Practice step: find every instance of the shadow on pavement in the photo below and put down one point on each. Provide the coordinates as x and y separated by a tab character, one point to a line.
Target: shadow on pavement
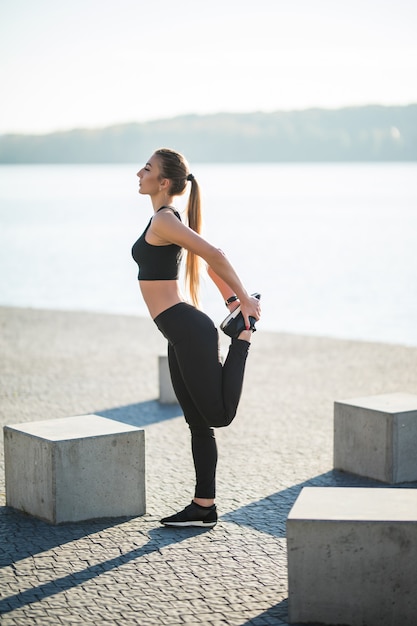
142	413
276	615
157	539
269	515
22	536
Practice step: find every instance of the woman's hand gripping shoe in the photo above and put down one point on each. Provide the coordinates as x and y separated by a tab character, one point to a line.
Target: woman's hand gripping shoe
234	323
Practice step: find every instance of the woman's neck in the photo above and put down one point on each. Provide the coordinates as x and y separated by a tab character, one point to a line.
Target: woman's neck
161	199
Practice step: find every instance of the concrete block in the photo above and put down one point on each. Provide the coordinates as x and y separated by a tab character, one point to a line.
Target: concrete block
75	468
376	437
166	391
352	555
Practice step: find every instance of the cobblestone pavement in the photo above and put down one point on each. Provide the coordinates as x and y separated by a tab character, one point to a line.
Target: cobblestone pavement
132	570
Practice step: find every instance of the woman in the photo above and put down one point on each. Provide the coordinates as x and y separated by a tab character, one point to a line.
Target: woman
208	392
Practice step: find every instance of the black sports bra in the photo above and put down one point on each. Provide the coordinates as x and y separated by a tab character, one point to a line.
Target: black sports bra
157	262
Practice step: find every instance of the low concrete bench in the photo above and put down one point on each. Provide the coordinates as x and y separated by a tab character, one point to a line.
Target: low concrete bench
166	390
352	556
376	436
75	468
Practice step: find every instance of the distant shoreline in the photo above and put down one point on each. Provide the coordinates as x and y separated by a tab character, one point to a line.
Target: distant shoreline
352	134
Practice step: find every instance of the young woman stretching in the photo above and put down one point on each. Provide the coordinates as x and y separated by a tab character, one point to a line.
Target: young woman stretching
207	391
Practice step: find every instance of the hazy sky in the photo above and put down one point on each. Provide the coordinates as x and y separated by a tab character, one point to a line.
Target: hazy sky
90	63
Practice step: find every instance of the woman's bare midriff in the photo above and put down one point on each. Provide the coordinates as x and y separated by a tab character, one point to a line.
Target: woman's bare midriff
160	295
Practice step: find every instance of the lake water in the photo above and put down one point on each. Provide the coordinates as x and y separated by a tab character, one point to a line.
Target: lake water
331	247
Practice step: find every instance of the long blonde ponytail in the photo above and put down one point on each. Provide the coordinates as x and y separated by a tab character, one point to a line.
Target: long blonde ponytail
192	266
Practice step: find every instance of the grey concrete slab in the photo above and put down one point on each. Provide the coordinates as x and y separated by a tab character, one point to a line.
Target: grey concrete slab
376	436
352	556
75	468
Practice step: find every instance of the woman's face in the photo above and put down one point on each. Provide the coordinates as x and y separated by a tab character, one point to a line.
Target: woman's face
150	177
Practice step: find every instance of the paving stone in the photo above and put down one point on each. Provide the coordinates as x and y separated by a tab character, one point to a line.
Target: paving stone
131	570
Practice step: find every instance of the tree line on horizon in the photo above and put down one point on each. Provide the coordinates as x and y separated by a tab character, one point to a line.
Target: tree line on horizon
368	133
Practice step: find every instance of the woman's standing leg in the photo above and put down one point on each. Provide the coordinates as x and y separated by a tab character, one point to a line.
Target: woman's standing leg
202	510
203	441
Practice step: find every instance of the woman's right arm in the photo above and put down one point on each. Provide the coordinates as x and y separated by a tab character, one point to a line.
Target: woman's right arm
225	278
170	229
221	285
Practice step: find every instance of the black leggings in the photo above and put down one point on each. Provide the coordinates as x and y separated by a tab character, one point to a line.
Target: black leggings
207	391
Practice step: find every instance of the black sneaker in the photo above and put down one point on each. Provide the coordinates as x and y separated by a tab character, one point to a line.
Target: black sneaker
193	515
234	322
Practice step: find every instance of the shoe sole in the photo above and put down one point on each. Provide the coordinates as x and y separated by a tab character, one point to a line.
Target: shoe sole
230	317
197	524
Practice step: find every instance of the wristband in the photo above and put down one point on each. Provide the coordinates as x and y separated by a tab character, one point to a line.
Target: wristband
231	299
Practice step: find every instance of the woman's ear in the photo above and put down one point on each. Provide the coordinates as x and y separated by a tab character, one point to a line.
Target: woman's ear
164	184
